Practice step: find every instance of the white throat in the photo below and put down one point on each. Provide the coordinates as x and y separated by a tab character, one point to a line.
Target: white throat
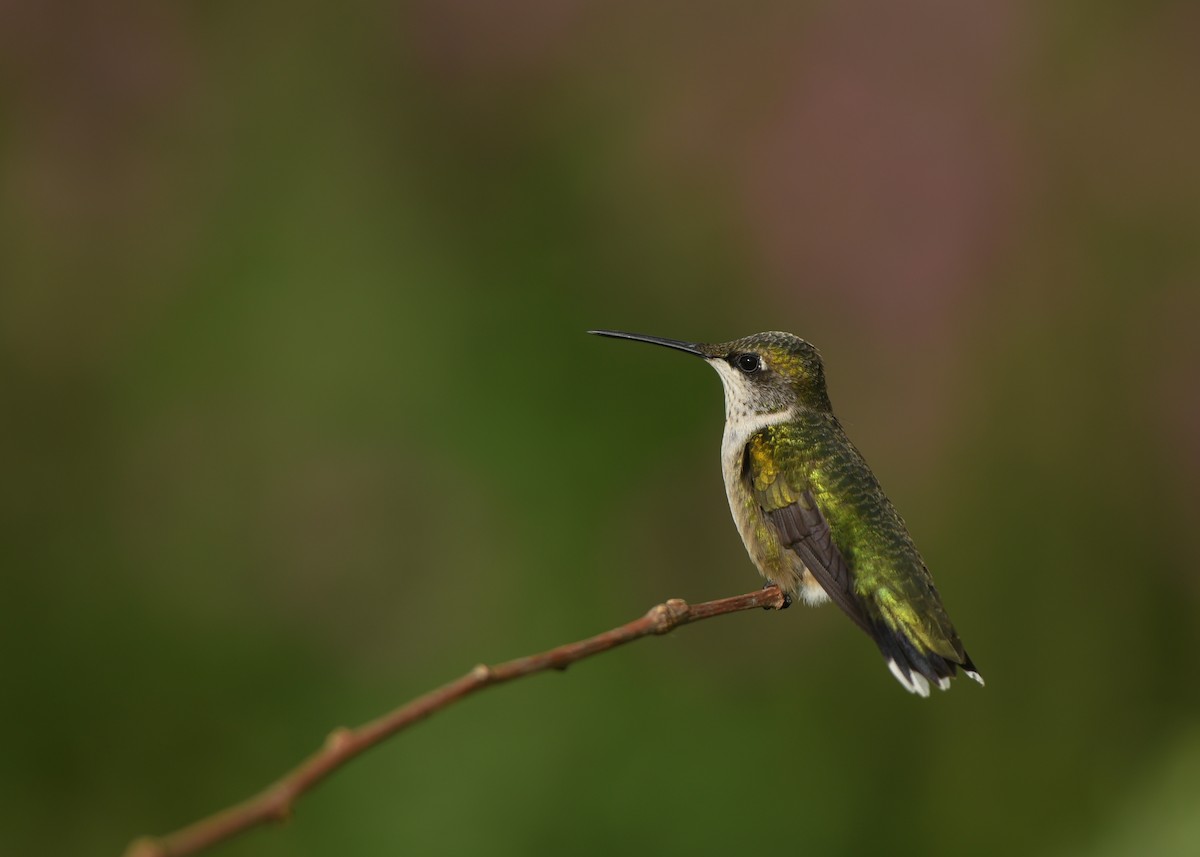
741	422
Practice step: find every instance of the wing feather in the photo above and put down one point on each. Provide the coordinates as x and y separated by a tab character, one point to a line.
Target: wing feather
920	648
803	529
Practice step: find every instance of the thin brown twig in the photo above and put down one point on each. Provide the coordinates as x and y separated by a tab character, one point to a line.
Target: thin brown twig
275	802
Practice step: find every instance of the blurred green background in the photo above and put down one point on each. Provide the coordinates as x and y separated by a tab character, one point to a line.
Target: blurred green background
299	419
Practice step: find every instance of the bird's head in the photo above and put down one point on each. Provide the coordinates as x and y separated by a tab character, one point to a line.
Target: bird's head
766	373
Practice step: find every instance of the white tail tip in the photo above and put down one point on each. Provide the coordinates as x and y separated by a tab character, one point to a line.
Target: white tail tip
913	682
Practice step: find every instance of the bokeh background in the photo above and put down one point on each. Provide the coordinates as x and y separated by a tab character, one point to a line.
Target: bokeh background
299	419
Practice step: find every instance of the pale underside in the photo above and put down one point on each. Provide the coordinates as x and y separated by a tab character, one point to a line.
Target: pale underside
741	423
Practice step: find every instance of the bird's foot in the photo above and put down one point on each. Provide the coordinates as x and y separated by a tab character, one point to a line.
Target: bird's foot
787	599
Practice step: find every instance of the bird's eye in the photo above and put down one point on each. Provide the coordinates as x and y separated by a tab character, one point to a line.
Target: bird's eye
748	363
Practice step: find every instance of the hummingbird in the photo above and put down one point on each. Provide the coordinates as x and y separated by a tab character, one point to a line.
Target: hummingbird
810	511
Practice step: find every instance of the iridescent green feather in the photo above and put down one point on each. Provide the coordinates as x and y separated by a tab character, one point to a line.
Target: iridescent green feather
888	578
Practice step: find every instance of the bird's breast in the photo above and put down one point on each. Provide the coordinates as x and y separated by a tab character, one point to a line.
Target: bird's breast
762	544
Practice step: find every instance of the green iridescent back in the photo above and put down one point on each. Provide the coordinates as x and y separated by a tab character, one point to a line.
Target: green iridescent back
812	452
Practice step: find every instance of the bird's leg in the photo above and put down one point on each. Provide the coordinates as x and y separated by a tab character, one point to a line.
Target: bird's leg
787	599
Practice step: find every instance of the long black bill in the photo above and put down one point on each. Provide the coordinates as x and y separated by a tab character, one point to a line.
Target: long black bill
689	347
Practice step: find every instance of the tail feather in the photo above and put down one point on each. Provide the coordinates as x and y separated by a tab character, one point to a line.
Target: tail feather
968	667
914	666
